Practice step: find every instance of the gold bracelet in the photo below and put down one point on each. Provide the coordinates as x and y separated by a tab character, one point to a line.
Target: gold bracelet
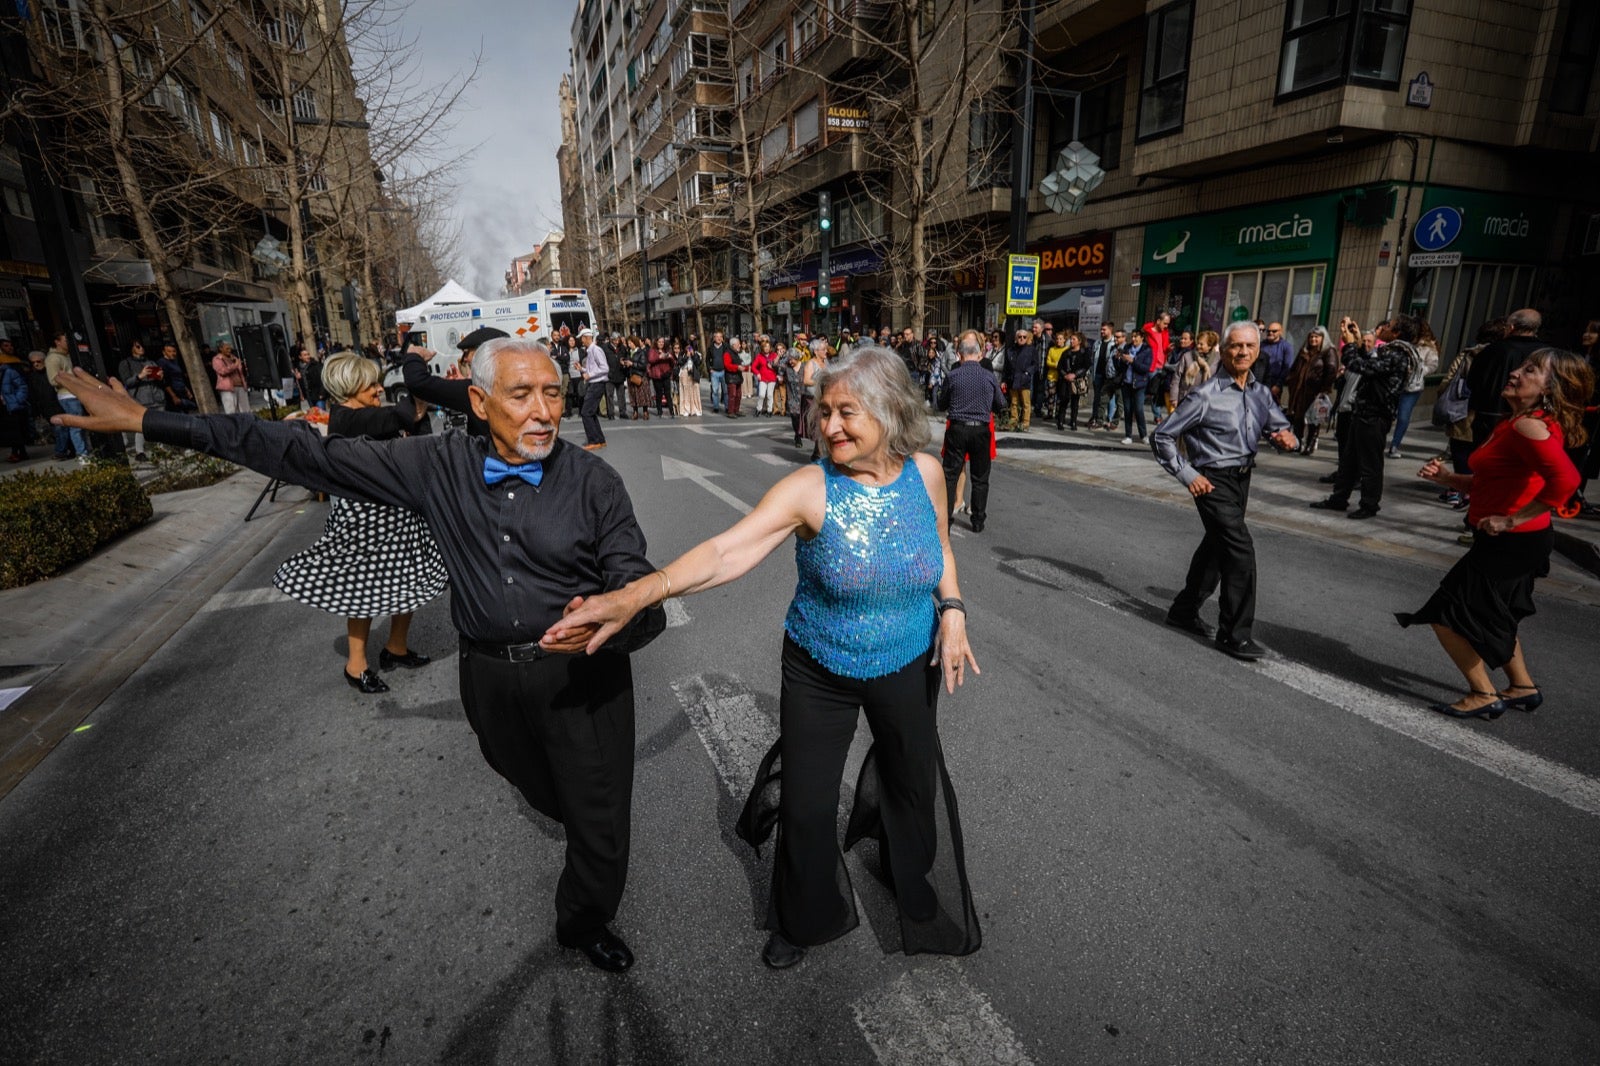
665	596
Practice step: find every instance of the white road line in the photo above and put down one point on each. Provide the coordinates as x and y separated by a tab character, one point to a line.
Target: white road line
676	469
773	460
733	729
677	614
223	601
8	696
934	1015
730	443
1442	734
1576	790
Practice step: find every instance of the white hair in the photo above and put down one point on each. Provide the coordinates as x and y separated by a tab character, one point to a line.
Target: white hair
484	359
1231	327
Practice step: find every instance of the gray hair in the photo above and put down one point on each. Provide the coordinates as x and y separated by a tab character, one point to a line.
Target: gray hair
1233	327
879	379
348	374
970	345
484	359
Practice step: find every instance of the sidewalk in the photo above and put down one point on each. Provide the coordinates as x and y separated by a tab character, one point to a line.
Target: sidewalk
1412	523
72	639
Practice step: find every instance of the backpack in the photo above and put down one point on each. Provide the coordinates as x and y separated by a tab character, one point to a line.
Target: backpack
1451	405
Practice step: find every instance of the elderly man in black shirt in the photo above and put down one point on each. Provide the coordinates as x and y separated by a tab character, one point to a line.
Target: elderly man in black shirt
1221	423
972	397
528	526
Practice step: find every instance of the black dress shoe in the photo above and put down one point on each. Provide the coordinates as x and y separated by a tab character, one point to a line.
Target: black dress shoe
1248	650
1192	625
388	660
1330	504
1363	512
779	954
977	525
1490	711
1328	479
368	682
606	951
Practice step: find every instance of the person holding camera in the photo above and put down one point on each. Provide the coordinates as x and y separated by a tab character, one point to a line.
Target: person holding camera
1382	374
142	377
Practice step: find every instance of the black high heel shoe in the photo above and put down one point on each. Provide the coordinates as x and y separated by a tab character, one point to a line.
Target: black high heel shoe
388	660
369	682
1529	702
1490	711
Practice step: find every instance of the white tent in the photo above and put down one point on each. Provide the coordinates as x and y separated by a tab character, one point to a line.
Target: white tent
449	293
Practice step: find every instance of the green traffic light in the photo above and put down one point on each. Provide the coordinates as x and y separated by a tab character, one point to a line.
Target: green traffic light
826	223
823	300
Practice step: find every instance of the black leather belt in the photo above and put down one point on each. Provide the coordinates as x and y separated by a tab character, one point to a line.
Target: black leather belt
1209	470
964	422
515	653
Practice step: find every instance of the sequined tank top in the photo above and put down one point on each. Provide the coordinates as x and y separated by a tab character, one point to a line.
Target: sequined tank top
864	603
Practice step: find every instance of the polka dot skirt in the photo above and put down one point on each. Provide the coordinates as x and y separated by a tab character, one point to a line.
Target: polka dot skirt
371	560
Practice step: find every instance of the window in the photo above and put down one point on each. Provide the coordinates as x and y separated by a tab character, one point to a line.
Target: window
1569	95
747	78
774	146
774	54
806	124
807	28
1095	122
252	156
702	188
988	143
317	181
273	29
64	24
222	136
291	32
1336	42
199	17
272	105
90	197
1164	86
235	62
305	104
703	56
927	16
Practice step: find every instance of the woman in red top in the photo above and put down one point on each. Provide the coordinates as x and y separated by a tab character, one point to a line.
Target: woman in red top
1518	475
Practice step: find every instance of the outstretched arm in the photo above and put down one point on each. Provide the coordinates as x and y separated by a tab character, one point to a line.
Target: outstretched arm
792	505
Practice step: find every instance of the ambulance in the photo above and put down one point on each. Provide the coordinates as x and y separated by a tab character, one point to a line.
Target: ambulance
538	314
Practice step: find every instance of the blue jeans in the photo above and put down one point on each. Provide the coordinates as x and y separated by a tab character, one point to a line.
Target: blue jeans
1402	417
75	439
719	389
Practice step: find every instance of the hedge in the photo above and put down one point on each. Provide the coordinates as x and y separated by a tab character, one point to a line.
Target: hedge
50	521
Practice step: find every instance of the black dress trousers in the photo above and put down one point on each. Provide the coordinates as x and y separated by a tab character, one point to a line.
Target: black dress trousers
561	730
1227	556
1361	460
966	442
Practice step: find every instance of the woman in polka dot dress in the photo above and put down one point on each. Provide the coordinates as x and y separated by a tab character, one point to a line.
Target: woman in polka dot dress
370	559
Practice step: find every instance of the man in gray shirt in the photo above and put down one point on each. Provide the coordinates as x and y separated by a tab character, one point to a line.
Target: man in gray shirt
1221	423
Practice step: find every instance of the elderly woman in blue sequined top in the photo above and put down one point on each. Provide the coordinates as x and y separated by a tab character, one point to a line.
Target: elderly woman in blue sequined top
876	620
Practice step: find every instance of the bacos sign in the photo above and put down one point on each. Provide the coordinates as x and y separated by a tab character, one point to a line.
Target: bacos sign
1066	260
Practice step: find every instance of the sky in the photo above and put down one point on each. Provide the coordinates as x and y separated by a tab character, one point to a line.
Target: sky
508	125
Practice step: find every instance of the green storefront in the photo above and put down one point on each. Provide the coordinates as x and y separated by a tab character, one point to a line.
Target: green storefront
1270	261
1502	242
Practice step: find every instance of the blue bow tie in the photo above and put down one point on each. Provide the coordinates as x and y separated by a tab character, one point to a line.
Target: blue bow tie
496	470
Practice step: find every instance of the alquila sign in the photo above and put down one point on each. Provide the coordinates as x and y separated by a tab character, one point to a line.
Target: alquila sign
1289	231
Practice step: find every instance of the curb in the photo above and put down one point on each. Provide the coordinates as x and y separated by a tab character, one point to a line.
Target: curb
70	692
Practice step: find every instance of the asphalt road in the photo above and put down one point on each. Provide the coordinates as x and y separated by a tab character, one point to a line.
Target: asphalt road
1176	857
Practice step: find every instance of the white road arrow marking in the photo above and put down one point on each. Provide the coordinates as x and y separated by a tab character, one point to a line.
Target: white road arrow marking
678	470
730	725
223	601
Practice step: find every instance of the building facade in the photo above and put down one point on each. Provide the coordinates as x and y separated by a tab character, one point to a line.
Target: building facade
1262	158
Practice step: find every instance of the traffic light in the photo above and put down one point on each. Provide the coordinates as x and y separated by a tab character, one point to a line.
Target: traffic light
825	246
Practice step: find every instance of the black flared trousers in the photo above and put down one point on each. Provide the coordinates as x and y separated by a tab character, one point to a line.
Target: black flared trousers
904	800
561	730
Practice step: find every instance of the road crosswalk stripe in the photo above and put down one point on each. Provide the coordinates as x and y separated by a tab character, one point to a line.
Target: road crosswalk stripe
734	731
934	1015
773	460
1445	735
677	614
731	443
223	601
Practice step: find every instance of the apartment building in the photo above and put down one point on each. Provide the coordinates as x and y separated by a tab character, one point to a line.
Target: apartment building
1297	161
1278	159
250	128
